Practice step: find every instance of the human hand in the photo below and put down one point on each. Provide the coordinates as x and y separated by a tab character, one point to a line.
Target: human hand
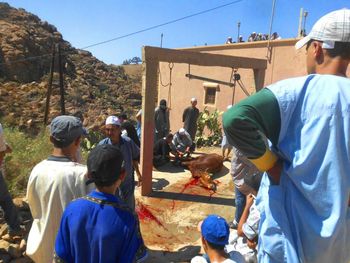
249	200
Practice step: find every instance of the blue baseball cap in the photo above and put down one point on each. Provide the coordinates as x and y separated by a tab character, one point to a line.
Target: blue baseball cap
215	230
65	129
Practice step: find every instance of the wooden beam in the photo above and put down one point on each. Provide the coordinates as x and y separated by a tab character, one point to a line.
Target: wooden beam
151	56
149	95
191	76
202	59
259	78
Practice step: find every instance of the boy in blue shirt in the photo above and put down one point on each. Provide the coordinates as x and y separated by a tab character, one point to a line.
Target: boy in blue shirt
100	227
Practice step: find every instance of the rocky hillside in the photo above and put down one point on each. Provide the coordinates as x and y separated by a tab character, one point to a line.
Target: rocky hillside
26	44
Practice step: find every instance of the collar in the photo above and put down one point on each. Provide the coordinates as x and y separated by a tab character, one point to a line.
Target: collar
59	158
104	196
121	141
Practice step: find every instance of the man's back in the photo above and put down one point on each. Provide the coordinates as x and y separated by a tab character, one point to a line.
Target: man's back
53	183
161	148
314	142
100	228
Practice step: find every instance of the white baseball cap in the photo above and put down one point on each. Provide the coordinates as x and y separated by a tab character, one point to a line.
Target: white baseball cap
182	131
331	28
113	120
193	99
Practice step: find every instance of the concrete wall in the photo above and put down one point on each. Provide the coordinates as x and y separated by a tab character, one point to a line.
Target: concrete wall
284	62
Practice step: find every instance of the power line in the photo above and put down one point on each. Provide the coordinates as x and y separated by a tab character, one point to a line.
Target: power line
130	34
163	24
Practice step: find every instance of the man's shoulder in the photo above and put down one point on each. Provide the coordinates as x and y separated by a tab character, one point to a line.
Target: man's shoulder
117	209
105	141
58	169
290	82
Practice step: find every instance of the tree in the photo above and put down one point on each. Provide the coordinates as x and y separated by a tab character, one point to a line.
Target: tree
136	60
126	62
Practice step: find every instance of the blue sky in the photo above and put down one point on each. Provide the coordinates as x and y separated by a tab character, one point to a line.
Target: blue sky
85	22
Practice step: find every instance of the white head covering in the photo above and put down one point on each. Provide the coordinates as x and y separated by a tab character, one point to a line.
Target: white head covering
113	120
182	131
331	28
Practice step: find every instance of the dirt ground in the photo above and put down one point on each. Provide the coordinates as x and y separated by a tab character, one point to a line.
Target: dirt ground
169	217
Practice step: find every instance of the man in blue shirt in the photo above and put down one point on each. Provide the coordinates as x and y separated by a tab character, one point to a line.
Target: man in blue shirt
131	154
304	196
100	227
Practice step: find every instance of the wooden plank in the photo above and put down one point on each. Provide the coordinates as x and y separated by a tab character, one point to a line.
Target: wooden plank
202	59
149	95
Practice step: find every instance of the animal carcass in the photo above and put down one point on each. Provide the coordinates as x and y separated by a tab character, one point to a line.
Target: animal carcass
201	166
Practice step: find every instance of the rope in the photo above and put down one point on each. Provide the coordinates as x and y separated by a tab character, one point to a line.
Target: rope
171	66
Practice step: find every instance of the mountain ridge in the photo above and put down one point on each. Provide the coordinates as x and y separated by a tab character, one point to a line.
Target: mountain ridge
91	86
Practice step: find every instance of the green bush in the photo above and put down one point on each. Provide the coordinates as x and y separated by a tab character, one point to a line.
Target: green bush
90	142
26	153
209	131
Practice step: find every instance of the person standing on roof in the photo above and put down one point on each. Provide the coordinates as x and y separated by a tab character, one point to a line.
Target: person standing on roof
304	198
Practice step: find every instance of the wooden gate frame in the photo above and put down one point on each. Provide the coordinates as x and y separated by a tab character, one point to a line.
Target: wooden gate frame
151	56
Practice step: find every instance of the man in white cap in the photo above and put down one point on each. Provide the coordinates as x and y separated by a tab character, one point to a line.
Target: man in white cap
304	196
131	154
190	117
182	143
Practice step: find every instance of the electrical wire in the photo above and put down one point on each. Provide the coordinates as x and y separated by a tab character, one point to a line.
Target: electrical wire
130	34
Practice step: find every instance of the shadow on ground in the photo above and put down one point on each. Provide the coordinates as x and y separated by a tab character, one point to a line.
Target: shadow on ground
195	198
159	184
184	254
170	168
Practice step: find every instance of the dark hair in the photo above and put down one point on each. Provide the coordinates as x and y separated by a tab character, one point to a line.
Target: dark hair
170	135
79	115
59	144
106	184
341	49
215	246
123	116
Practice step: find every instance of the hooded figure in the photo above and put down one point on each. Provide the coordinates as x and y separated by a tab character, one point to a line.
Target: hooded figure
161	120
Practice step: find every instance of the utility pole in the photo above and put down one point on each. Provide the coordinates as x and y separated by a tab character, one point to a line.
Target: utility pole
300	22
269	49
305	15
55	48
238	30
49	87
161	40
60	70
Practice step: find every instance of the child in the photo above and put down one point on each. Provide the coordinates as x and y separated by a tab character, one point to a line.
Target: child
100	227
215	236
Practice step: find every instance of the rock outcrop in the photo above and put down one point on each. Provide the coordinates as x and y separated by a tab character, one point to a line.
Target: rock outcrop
91	86
12	247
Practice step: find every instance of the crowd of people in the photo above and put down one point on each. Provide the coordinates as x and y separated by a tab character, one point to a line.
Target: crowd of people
255	37
290	170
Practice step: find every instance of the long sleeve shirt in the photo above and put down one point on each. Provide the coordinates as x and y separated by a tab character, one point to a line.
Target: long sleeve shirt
245	123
